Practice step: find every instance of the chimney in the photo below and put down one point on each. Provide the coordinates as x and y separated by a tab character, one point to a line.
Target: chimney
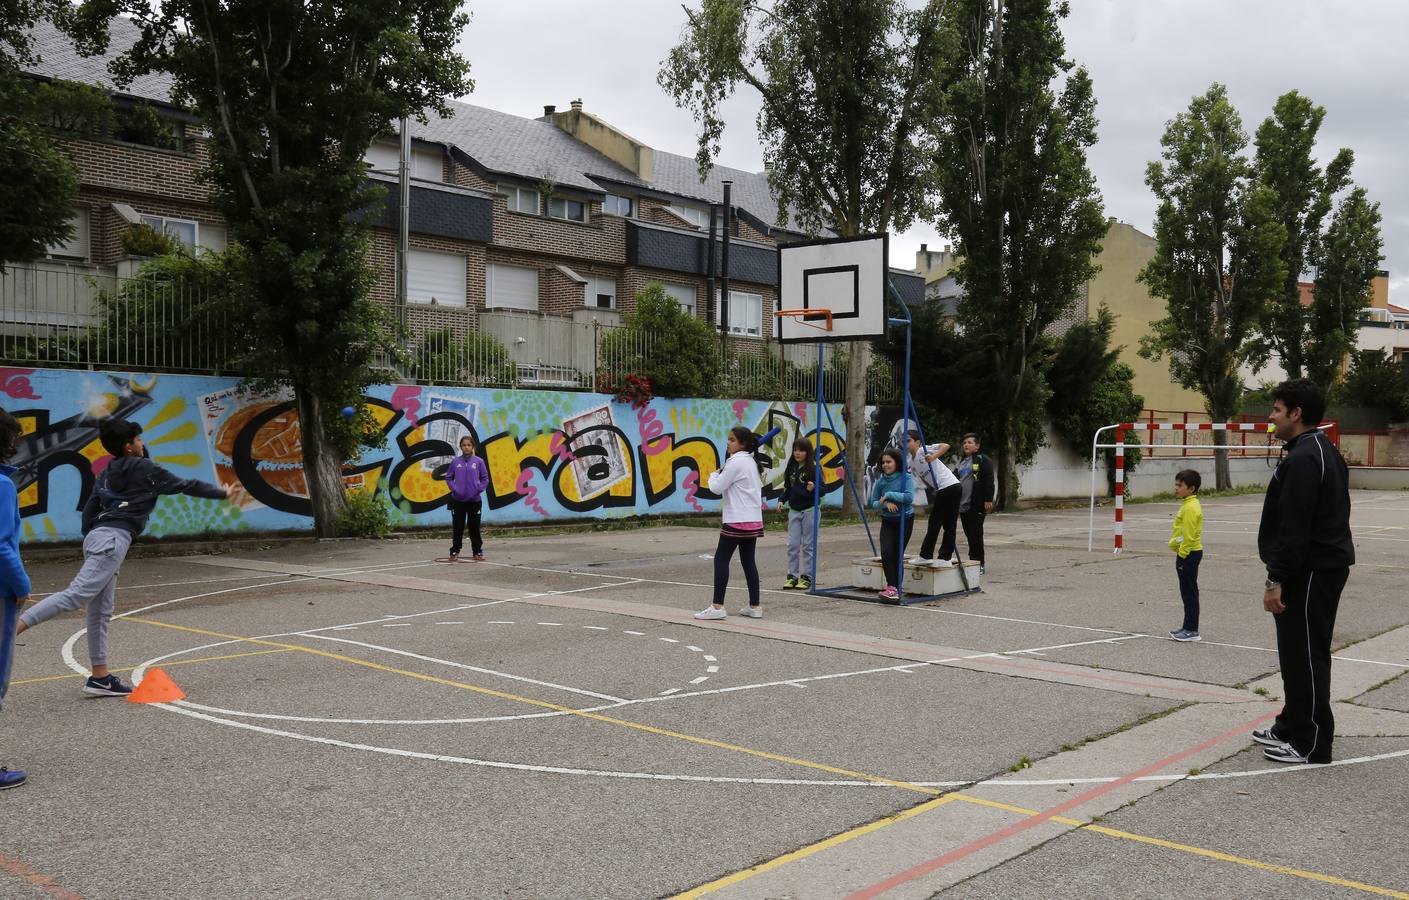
925	249
549	109
577	105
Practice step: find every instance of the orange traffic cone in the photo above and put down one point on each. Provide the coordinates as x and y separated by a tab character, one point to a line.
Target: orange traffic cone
156	687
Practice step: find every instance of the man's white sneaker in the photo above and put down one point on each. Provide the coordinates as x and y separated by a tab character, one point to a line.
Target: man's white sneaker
939	564
711	612
753	612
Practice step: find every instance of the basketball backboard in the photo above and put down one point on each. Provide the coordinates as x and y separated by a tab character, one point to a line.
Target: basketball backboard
844	275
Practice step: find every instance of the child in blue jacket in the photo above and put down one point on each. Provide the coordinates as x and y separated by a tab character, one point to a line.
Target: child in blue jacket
14	582
893	495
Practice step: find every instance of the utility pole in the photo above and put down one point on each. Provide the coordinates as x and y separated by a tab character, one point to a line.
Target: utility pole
403	240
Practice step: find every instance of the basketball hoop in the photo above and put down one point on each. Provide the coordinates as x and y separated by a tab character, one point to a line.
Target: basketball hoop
821	319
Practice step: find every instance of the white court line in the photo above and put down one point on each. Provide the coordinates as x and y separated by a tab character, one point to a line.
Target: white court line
469	668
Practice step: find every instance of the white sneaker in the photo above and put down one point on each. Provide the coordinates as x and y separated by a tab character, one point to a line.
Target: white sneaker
711	612
753	612
939	564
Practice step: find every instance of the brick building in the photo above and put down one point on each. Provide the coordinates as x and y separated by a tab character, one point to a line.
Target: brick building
512	220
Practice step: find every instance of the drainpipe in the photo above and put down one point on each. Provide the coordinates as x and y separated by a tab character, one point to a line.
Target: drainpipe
403	220
724	271
711	307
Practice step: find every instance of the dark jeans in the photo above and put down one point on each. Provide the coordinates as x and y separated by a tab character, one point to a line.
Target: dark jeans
892	549
1187	568
725	552
460	512
973	531
943	511
1304	653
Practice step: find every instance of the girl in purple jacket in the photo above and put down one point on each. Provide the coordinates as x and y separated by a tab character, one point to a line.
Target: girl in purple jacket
468	477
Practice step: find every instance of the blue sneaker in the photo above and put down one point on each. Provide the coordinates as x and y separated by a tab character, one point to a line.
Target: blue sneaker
107	686
10	778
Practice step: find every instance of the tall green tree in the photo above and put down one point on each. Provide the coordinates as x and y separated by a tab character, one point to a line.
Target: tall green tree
1312	340
1218	258
40	185
850	91
1019	198
1091	387
293	93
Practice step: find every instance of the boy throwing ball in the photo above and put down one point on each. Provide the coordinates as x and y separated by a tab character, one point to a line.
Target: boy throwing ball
1188	547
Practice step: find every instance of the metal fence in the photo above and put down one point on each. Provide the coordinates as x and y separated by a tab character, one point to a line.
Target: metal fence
69	316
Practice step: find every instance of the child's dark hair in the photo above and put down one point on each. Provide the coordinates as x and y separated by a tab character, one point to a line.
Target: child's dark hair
913	435
746	438
10	432
116	434
895	457
805	446
971	434
1190	478
1303	394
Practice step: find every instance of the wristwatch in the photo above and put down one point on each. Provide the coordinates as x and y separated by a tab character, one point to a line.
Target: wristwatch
1270	585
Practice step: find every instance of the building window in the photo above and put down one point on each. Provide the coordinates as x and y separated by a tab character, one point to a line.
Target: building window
521	199
426	165
143	125
613	205
563	208
437	278
511	287
183	230
692	214
600	293
684	294
745	314
76	247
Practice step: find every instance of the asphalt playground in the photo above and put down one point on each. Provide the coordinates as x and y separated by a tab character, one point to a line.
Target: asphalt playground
362	721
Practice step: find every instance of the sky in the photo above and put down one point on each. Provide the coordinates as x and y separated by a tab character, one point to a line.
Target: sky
1147	59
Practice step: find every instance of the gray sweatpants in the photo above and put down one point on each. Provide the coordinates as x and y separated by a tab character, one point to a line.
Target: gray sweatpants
801	528
94	587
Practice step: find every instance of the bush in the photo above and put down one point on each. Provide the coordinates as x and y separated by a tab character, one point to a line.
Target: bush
1091	387
365	516
175	314
475	358
144	240
670	347
1375	380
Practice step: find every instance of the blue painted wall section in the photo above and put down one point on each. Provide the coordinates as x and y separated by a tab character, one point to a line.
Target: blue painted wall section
551	454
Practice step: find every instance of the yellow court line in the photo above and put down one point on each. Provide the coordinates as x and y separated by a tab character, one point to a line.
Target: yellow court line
940	796
174	662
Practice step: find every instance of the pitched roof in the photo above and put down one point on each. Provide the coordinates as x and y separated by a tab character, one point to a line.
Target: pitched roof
60	61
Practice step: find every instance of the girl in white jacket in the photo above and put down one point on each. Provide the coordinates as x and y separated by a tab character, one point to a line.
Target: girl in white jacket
741	488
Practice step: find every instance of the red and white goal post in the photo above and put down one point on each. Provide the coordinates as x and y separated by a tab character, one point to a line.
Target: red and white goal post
1119	445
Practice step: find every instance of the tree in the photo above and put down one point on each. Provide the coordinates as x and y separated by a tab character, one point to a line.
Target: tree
1314	339
1019	198
40	185
1091	387
670	347
293	93
849	92
1377	381
1217	259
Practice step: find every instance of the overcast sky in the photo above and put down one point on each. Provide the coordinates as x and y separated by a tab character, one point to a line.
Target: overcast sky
1146	57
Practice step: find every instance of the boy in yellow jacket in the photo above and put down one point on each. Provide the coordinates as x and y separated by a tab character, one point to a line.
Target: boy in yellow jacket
1188	547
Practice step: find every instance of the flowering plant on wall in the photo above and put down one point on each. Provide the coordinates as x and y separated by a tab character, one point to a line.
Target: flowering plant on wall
633	388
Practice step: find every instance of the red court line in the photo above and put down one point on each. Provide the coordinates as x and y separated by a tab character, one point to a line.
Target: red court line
38	880
1002	834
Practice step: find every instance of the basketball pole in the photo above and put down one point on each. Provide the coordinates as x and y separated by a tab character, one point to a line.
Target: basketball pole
906	411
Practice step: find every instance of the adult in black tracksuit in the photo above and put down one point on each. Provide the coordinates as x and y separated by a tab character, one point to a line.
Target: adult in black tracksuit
1304	540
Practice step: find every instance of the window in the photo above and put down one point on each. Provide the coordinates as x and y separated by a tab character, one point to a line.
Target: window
512	287
141	124
692	214
437	278
563	208
613	205
745	313
600	293
75	247
521	199
684	294
183	230
426	165
213	238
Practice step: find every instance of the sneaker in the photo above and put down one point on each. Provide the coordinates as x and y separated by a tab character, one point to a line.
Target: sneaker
710	613
939	564
753	612
1286	753
1268	738
981	569
804	583
791	583
1185	637
479	557
10	778
109	686
453	557
890	593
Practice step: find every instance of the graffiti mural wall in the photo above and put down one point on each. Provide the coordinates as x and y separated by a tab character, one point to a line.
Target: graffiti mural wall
551	454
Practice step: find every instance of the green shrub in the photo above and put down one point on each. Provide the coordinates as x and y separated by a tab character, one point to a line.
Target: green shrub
672	348
144	240
475	358
365	516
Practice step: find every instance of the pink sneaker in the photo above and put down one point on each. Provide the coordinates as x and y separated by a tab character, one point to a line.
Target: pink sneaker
890	593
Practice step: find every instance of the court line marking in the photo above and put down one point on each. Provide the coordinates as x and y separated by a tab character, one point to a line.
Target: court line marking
44	884
178	662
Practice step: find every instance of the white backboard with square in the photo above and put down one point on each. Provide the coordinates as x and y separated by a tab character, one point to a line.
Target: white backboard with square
844	275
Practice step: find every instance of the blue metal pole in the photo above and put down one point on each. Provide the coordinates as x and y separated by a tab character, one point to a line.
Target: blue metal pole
906	411
817	469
